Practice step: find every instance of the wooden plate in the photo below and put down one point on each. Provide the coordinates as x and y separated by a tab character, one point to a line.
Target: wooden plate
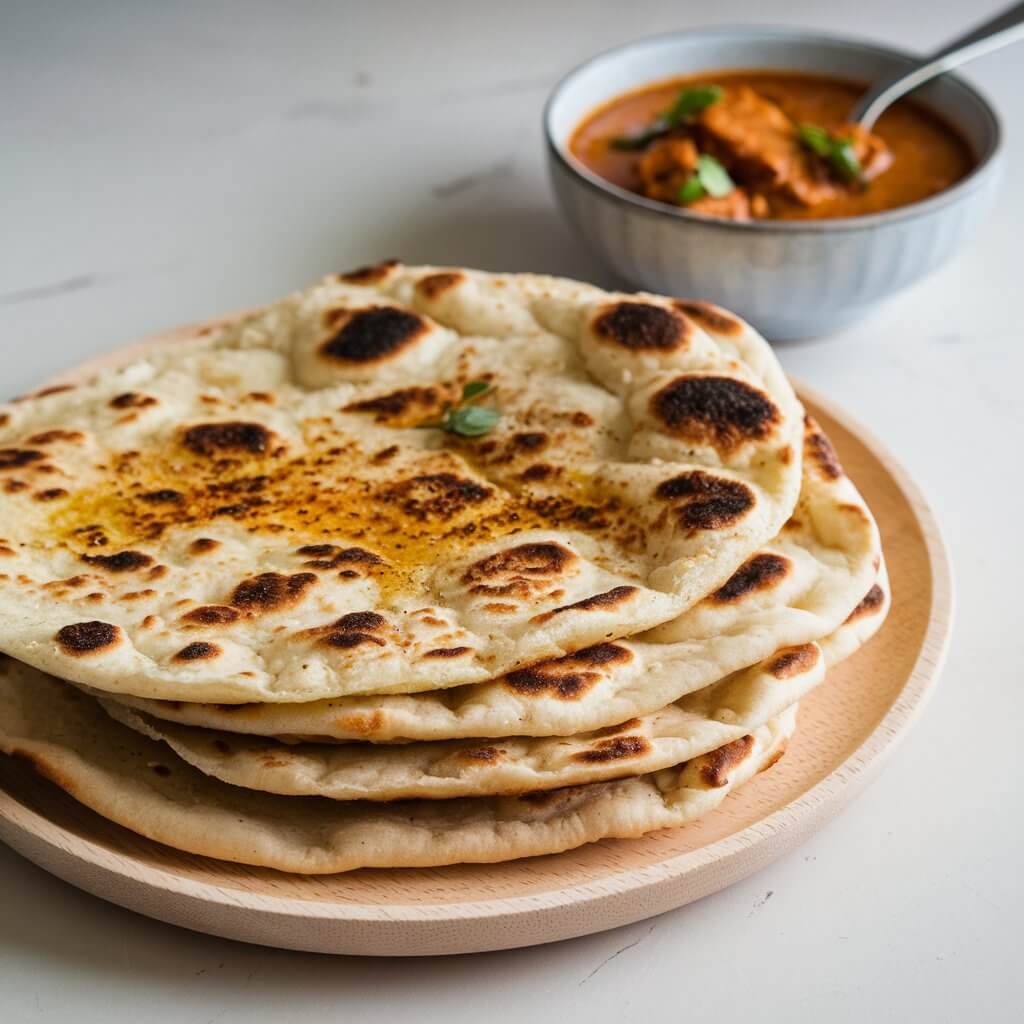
847	727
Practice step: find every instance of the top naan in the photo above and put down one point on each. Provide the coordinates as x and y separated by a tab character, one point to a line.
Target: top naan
256	514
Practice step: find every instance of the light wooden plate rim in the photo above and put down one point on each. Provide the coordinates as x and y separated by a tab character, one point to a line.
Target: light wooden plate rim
757	844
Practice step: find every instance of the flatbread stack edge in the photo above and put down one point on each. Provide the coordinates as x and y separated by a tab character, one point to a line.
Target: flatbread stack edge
423	566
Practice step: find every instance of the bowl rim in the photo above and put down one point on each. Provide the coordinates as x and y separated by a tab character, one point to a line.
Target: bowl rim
641	204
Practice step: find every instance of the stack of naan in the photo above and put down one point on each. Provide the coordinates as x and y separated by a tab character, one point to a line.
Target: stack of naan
420	566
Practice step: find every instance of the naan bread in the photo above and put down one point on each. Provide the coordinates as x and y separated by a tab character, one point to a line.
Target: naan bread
694	725
794	591
255	515
140	784
698	723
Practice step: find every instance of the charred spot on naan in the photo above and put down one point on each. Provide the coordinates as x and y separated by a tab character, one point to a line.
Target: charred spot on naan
212	615
371	335
572	676
121	562
132	400
435	497
792	661
405	407
53	389
642	327
271	592
164	496
713	319
609	600
230	438
448	652
56	437
870	604
356	629
819	453
716	766
361	723
353	562
372	274
617	748
200	650
704	501
775	757
723	412
760	572
434	286
481	755
521	571
18	458
81	639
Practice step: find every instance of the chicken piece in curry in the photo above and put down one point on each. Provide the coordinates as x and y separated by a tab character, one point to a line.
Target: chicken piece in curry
754	145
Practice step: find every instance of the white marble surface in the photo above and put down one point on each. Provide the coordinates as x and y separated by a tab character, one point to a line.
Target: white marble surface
164	162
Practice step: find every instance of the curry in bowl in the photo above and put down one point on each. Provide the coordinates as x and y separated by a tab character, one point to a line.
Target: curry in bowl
768	145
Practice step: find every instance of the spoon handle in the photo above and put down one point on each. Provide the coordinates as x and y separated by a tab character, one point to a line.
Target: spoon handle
1003	29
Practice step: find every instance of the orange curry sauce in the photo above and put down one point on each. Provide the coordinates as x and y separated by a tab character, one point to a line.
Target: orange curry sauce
928	154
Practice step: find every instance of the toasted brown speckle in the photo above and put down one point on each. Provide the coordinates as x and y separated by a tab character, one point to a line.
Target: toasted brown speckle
271	591
448	652
56	437
870	604
232	437
373	335
642	327
759	572
794	660
162	497
385	454
404	407
819	453
370	274
614	598
198	651
435	496
356	629
713	319
519	571
723	412
433	286
212	615
84	638
715	767
706	501
123	561
481	755
132	400
617	748
330	556
17	458
570	677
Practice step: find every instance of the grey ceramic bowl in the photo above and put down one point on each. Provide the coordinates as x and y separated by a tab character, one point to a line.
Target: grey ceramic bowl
793	279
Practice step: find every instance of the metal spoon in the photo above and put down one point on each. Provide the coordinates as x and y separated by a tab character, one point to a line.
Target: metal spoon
995	33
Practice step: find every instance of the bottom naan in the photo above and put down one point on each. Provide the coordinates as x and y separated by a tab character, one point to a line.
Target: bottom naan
138	783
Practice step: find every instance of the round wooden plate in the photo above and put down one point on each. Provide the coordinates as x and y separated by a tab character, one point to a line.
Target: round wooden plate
847	727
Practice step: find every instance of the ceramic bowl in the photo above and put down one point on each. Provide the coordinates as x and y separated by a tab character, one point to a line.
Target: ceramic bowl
791	279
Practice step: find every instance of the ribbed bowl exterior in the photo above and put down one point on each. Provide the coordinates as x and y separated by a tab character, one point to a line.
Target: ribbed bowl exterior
789	284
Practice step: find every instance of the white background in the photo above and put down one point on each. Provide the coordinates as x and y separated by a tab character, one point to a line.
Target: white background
161	162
